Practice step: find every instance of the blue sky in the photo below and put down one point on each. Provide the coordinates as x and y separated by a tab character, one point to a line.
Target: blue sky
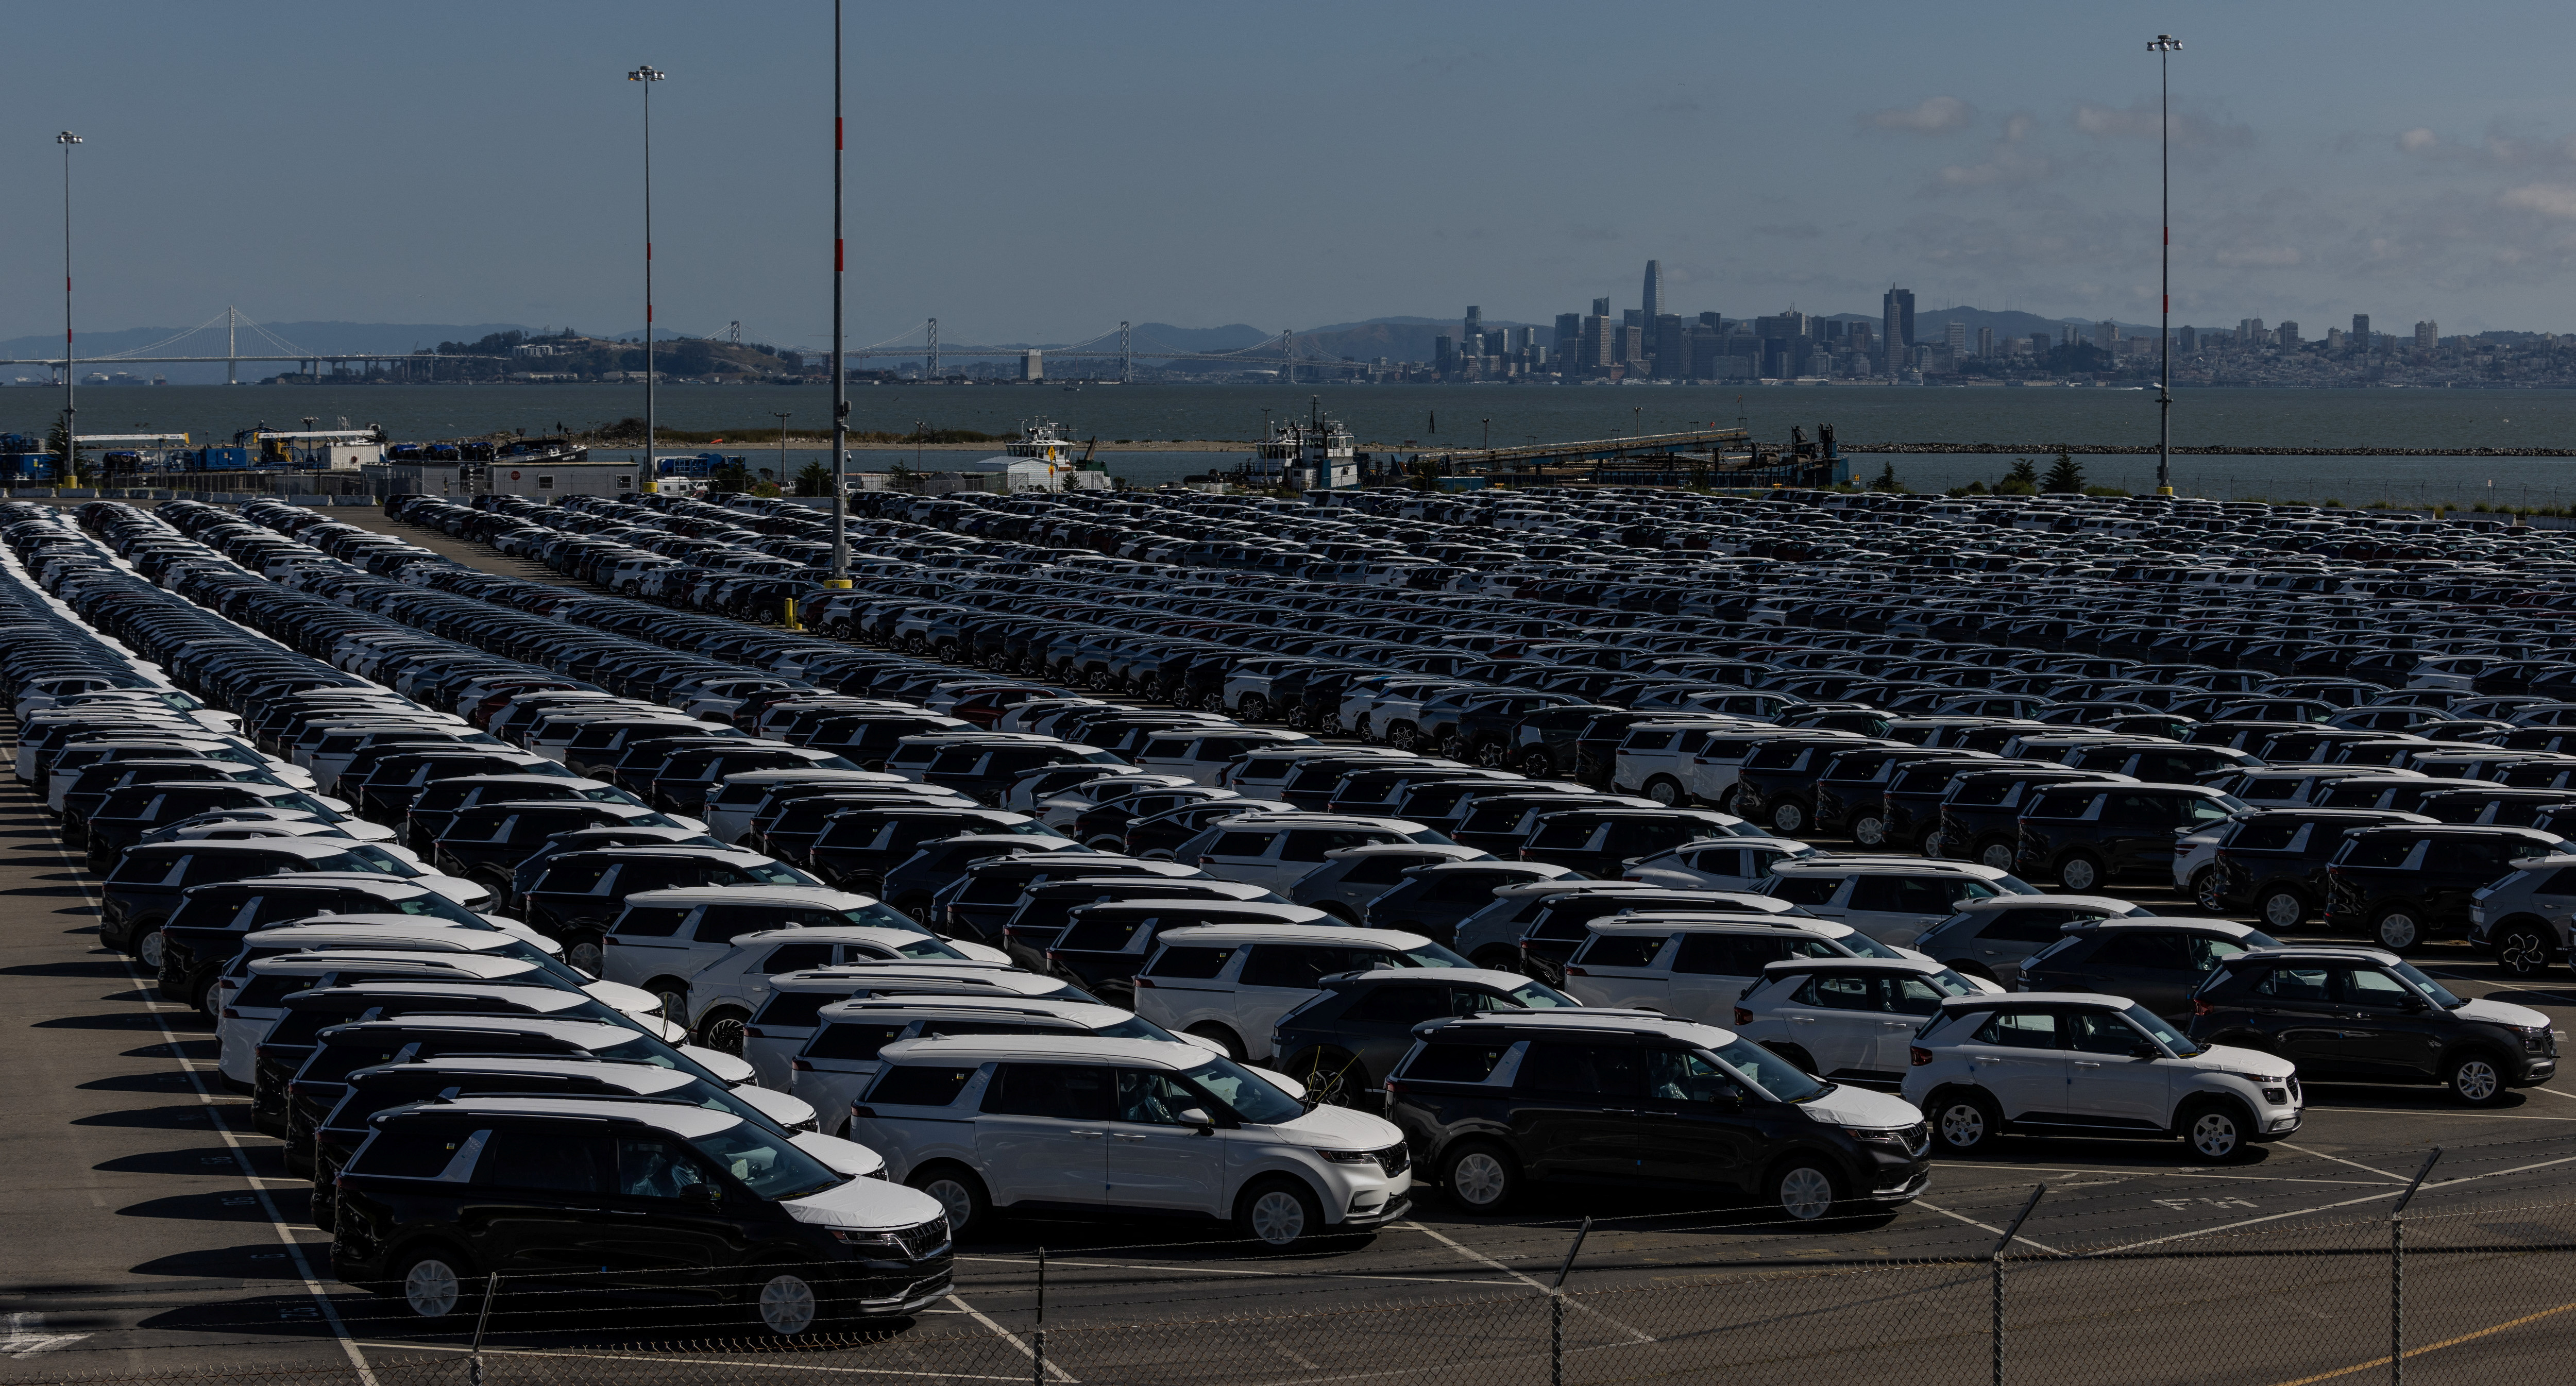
1027	171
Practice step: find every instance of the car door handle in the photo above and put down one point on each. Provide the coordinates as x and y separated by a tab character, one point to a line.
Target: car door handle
1087	1134
1802	1020
2088	1063
1122	1136
630	1212
1618	1111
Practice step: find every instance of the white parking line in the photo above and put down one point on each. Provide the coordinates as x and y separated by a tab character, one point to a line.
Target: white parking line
1477	1256
1054	1372
2330	1207
23	1338
2338	1159
1054	1263
241	1159
1987	1227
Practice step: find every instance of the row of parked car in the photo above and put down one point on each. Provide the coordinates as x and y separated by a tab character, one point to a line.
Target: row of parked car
1212	949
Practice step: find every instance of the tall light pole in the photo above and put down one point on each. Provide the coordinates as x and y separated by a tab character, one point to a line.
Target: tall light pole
840	383
645	73
782	416
71	411
2165	46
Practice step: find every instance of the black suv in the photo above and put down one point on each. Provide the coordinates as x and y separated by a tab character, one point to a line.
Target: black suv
2087	834
1980	814
647	1196
2154	962
2404	884
2273	861
1601	842
1494	1102
2364	1015
1343	1041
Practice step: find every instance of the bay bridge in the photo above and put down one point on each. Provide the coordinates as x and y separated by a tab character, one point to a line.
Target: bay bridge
416	363
1291	358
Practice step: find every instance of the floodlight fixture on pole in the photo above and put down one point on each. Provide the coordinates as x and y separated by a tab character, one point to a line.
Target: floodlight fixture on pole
647	74
71	410
2165	46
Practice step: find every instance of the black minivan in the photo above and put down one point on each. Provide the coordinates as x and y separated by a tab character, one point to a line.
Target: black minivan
1494	1102
660	1198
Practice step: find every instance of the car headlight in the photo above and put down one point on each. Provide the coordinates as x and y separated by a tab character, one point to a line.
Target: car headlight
1348	1157
1891	1137
2536	1039
868	1241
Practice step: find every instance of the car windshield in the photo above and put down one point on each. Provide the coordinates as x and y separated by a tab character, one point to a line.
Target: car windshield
767	1163
1951	983
2164	1034
1252	1098
436	907
881	917
2433	991
1539	996
646	1049
772	873
1433	955
1769	1072
385	861
306	803
1863	946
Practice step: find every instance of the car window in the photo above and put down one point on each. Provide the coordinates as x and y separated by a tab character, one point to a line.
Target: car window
857	1042
1921	995
1241	845
1906	894
1622	950
2026	926
2368	986
2020	1030
1153	1099
902	1086
1310	844
2264	834
1189	964
1385	870
1455	1063
2378	849
2293	984
1303	965
793	957
2100	1032
525	1157
653	1168
1848	993
421	1150
1680	1075
1593	1070
1805	889
1069	1092
1403	1005
2144	949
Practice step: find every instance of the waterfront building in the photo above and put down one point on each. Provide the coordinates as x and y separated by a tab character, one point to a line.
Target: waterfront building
2427	336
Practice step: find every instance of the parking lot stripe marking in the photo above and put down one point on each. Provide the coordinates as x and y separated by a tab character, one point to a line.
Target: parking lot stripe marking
2338	1159
1985	1227
1474	1255
402	1346
2330	1207
241	1158
24	1341
2433	1347
1053	1263
2418	1111
1282	1350
1054	1372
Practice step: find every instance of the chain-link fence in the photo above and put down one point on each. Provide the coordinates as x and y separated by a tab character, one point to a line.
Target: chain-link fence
2487	1295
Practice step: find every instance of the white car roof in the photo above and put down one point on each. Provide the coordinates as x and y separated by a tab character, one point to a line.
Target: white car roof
1393	940
1884	866
589	1034
1699	923
2104	903
1798	966
471	967
811	897
1990	1000
1270	819
831	933
1450	851
978	1049
381	930
1255	912
1563	1017
862	1008
684	1121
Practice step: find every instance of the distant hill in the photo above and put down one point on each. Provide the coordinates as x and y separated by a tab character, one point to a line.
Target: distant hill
2008	323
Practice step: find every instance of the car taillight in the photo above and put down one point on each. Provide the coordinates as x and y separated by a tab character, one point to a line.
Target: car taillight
2200	1007
1576	972
231	1014
1918	1054
1743	1016
749	1033
1145	983
800	1066
1204	859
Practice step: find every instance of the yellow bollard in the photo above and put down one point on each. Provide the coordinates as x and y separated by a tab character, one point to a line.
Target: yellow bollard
789	623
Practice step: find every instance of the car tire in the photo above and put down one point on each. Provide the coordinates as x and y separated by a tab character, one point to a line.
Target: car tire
1480	1177
1280	1213
431	1281
2397	928
1965	1122
674	996
1403	737
2214	1133
1333	1077
2281	907
2204	891
1253	708
1538	765
2524	950
1667	791
2080	872
1869	830
1789	818
2475	1079
960	1191
585	955
1804	1188
786	1305
1229	1040
722	1030
1997	854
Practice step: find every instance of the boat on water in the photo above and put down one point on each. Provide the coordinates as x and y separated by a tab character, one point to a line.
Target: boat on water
1308	454
1041	438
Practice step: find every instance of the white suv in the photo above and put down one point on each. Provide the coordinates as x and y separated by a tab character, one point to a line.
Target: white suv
1891	899
1272	850
1848	1019
663	937
1124	1126
724	993
2077	1063
1232	982
841	1058
1699	965
1717	863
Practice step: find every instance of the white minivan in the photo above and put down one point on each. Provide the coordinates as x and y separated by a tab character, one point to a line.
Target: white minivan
1123	1126
787	1019
1891	899
1201	754
1697	966
841	1058
1272	850
1847	1019
1231	982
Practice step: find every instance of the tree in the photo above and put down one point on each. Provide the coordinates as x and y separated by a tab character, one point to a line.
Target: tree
58	441
815	480
1887	480
2066	475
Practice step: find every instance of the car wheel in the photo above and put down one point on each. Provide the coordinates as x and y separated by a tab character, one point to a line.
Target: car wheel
585	956
432	1282
2475	1079
723	1032
2523	951
1665	790
1232	1043
1538	765
1480	1178
148	951
1333	1077
2215	1134
959	1191
2280	907
1279	1213
788	1304
1869	830
1966	1123
2397	929
1998	855
1253	708
1402	736
2080	872
674	997
1804	1189
2204	891
1789	819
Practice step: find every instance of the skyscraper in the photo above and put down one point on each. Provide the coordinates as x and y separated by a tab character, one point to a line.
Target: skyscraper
1985	341
1954	335
1600	307
1672	348
2361	331
1475	323
2427	336
1897	308
2106	337
1654	295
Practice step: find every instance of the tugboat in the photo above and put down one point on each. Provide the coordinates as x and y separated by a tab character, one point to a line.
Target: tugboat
1309	454
1041	437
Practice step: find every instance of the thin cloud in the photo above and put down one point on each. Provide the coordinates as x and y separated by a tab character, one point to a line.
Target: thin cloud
1933	115
2555	200
2143	120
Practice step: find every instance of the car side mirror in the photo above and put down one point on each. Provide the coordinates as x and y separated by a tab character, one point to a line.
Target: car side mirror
699	1193
1198	1117
2414	1003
